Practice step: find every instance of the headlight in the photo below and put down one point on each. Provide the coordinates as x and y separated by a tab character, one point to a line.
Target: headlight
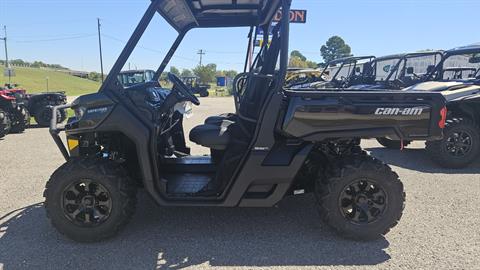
79	112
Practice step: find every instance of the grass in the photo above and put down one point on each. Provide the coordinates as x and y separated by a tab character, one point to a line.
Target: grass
34	81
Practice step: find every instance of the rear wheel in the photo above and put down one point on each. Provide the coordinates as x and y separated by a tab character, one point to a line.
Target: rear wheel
360	197
90	199
392	144
460	145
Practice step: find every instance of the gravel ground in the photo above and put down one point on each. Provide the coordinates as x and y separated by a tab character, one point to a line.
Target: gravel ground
439	228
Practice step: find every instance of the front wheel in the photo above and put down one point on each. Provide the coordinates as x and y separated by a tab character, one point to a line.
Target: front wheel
360	197
90	199
460	145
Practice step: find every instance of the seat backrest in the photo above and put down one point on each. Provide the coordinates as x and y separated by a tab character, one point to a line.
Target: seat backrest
258	85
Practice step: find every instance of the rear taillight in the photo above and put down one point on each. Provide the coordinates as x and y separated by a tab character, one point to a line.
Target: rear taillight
443	120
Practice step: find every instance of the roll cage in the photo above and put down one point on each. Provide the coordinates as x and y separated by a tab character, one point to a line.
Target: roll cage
396	71
351	62
437	73
184	15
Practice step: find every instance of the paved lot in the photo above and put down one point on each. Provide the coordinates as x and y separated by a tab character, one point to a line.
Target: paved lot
439	228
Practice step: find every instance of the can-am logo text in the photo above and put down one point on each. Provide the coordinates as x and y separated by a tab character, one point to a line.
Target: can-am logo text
399	111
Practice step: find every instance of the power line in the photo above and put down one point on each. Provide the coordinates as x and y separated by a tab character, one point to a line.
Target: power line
55	39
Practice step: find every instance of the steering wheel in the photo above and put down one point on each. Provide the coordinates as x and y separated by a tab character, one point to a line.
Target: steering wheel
183	90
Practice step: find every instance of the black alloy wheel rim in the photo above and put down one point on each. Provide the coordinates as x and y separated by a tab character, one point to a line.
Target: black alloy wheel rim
362	202
87	203
459	144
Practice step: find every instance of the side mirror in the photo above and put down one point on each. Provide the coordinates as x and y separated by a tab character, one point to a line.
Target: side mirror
410	71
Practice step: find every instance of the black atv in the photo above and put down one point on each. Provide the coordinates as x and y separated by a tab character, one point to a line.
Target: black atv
40	107
280	142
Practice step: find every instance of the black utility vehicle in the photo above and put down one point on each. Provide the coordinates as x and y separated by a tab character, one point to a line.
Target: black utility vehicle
130	78
399	71
346	71
280	142
461	143
196	86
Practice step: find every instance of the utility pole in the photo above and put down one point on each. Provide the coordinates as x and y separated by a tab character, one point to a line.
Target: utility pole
100	46
7	64
201	53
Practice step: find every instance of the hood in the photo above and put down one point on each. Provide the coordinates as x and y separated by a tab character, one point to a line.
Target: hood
366	87
437	86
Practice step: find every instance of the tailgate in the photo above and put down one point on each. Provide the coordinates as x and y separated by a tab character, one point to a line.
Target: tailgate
318	115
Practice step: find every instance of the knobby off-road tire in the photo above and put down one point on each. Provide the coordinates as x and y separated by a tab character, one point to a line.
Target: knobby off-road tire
20	124
43	116
109	199
342	202
460	145
4	123
392	144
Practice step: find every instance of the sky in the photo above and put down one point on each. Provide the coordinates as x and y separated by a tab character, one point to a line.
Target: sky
65	31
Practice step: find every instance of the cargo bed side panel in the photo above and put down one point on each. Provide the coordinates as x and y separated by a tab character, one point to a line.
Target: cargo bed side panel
317	116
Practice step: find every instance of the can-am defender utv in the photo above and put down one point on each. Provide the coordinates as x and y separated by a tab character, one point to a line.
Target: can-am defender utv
346	72
196	86
399	71
280	142
461	144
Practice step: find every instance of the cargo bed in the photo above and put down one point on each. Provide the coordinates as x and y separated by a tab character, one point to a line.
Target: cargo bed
319	115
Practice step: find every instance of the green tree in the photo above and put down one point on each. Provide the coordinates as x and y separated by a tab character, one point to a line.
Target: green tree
230	73
335	48
311	64
94	76
186	73
297	62
206	73
174	70
299	55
